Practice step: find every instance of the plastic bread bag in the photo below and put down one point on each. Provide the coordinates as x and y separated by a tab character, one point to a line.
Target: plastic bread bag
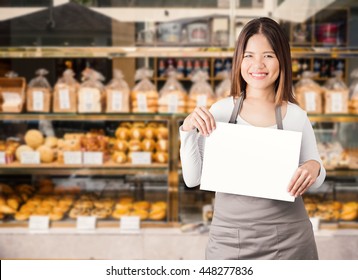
38	94
224	88
12	92
173	96
90	93
309	94
65	93
201	93
353	93
117	94
336	95
144	95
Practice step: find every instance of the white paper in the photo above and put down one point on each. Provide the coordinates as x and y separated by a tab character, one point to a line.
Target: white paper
252	161
93	158
142	102
117	97
141	158
39	223
310	101
337	103
30	158
2	158
173	102
129	224
38	100
64	94
86	223
72	157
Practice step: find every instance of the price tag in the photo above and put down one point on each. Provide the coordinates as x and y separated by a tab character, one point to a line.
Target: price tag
88	101
337	103
64	95
173	102
2	158
72	157
40	223
310	101
201	100
86	223
93	158
11	98
142	102
141	157
38	100
117	98
129	224
30	158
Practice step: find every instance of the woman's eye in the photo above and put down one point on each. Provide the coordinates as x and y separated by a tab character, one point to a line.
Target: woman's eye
247	55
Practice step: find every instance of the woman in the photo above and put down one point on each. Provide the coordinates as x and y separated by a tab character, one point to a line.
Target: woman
246	227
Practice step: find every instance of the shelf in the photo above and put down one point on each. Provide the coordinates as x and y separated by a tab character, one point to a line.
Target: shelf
87	117
133	51
80	169
145	116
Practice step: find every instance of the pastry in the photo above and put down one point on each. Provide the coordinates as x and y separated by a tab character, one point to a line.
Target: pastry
34	138
47	154
21	149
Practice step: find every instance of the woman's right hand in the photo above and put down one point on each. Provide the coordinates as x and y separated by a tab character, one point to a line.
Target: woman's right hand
201	119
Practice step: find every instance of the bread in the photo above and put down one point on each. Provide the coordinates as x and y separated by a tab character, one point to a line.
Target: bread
148	145
51	141
38	99
162	132
122	133
21	149
119	157
161	157
162	145
34	138
47	155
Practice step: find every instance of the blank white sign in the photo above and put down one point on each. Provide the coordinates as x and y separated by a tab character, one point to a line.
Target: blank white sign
252	161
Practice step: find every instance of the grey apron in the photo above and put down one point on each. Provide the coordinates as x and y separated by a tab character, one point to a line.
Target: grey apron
245	227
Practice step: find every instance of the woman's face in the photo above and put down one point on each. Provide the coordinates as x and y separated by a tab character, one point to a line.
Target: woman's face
260	67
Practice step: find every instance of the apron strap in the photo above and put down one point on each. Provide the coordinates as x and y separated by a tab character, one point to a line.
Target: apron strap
236	110
238	106
278	117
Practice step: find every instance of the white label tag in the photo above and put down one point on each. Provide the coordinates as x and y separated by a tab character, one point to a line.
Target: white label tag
201	100
337	103
64	96
129	224
88	101
72	157
30	158
39	223
310	101
2	158
173	102
38	100
11	98
142	102
117	98
141	158
93	158
86	223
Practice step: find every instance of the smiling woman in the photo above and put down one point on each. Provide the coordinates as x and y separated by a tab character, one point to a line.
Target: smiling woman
245	227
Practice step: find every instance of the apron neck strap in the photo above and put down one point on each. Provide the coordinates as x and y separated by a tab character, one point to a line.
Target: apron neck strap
238	106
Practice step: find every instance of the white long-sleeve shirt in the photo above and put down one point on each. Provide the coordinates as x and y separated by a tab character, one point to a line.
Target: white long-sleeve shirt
192	143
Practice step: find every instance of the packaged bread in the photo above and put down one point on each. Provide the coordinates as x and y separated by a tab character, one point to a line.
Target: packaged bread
353	93
117	94
201	93
309	94
224	87
336	95
12	93
144	96
38	93
65	93
172	96
90	93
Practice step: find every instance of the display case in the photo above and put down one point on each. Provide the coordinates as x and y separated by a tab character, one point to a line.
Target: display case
106	166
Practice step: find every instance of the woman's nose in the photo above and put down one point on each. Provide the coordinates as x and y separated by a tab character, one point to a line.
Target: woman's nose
259	63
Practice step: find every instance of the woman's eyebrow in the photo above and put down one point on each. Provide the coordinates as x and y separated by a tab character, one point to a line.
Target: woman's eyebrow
263	52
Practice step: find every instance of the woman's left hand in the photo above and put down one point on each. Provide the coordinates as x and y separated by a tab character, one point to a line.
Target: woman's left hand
304	177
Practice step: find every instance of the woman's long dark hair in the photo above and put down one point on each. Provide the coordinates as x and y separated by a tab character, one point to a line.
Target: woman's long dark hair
280	45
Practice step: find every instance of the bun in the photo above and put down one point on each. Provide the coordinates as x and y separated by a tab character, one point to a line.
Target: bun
47	155
21	149
34	138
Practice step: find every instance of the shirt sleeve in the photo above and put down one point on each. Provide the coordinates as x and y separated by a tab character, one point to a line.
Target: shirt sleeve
191	156
309	151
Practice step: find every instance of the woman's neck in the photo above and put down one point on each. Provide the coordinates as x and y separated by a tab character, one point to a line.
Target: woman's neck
260	94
